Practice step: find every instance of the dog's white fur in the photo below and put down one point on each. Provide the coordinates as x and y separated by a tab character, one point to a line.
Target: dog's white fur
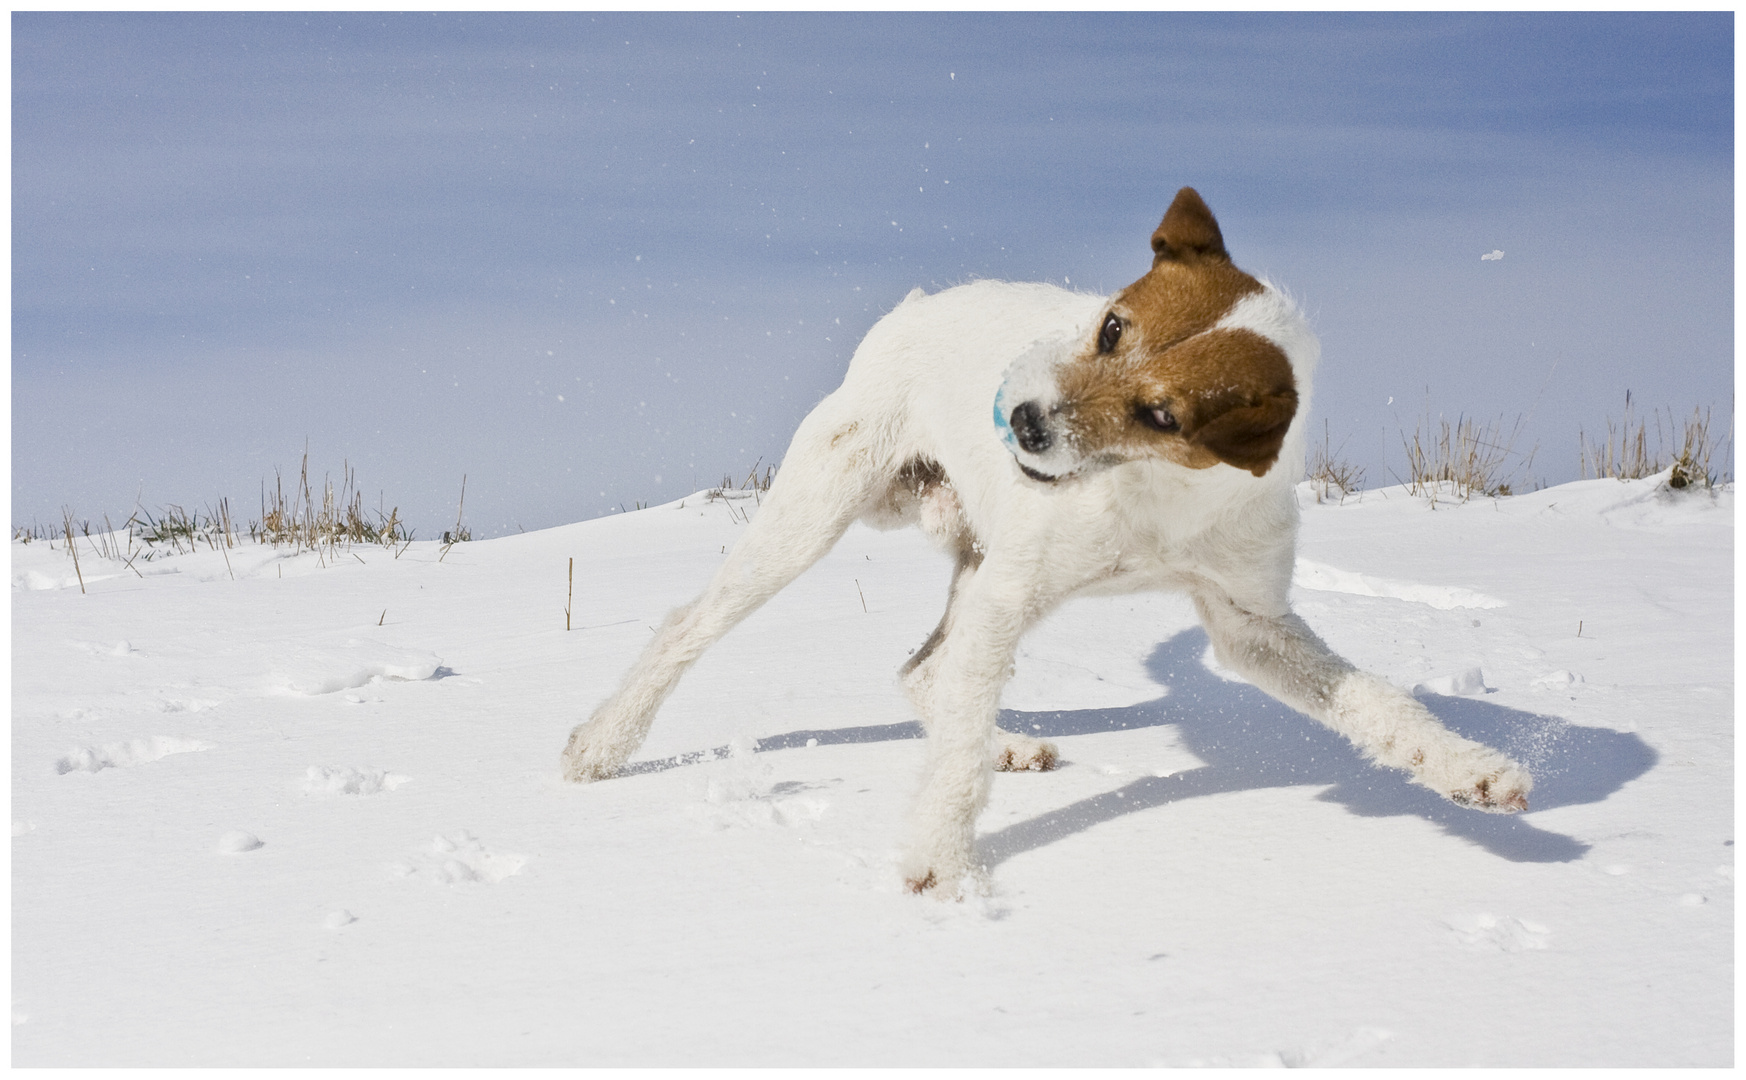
919	389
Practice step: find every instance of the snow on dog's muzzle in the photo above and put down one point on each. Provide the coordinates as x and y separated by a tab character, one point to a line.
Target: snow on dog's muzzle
1026	409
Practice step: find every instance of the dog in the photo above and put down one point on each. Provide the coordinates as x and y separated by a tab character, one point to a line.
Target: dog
1056	443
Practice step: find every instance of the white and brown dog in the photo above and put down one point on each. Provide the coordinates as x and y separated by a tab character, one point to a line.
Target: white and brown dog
1058	443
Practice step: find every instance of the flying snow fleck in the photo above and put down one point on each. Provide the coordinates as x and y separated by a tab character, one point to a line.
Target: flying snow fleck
1491	256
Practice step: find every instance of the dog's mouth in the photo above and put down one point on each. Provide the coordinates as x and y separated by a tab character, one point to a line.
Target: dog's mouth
1084	467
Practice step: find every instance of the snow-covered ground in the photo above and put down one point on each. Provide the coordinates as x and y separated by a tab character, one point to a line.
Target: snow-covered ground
279	810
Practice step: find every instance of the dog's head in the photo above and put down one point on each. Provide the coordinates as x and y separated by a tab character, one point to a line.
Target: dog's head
1188	365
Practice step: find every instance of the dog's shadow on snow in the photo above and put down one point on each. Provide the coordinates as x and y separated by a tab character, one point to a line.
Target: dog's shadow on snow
1250	741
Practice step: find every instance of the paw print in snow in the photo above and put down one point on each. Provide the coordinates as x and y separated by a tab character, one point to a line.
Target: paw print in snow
1485	931
460	859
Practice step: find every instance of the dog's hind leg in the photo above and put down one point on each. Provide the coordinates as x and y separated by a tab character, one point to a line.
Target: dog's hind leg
825	482
1284	657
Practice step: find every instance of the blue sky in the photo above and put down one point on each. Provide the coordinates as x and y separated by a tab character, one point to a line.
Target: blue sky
589	260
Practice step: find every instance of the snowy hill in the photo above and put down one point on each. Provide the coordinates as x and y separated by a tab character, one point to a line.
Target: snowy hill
275	810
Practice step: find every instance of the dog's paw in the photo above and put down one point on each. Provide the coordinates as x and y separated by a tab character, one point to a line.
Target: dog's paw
1395	730
1501	792
943	874
955	887
585	760
921	884
1021	753
1478	777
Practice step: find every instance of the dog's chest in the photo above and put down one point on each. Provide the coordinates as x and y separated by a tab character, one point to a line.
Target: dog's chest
1160	530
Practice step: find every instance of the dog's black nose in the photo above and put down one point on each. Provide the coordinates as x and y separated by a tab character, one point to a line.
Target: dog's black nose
1028	429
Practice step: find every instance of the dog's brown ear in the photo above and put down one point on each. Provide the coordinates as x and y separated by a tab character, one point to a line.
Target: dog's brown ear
1188	232
1249	435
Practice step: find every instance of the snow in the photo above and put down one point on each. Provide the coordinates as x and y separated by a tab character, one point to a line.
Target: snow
1314	575
279	810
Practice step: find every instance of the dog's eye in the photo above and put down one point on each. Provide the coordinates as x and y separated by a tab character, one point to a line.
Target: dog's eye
1110	334
1161	418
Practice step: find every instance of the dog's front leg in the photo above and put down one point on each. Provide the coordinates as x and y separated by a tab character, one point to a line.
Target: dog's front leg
1284	657
1012	752
958	694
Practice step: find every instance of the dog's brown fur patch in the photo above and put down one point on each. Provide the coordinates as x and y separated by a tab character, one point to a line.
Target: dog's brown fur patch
1231	392
1188	232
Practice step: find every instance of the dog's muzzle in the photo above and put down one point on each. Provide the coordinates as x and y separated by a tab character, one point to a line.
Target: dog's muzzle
1022	410
1032	436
